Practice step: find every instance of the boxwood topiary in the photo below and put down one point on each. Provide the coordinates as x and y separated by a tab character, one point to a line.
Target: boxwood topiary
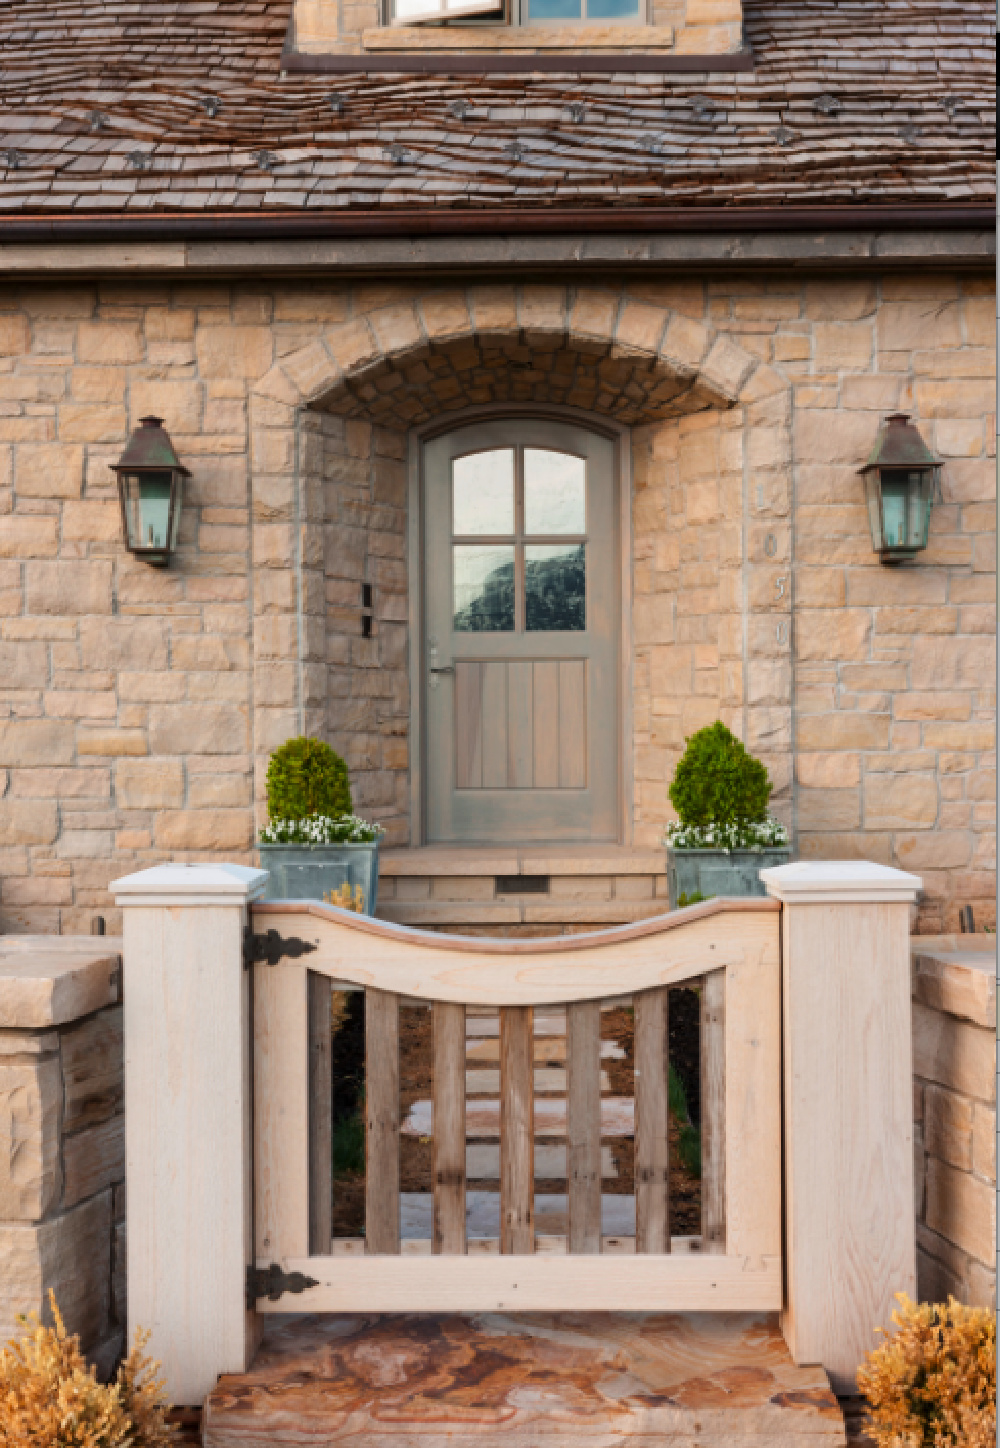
306	777
717	782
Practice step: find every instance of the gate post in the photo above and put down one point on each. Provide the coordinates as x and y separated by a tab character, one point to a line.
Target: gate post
188	1127
848	1093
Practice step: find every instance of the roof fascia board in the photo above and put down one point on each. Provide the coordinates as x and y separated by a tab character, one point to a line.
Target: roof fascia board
578	253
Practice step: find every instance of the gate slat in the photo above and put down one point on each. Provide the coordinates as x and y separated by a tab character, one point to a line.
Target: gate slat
517	1130
320	1115
449	1128
583	1051
652	1125
382	1122
713	1111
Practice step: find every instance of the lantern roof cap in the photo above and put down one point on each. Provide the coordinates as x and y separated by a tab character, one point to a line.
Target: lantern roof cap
899	445
150	447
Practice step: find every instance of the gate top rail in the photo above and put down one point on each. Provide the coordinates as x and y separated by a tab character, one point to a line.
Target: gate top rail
665	950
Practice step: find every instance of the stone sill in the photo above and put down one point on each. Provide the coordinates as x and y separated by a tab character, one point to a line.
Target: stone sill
530	38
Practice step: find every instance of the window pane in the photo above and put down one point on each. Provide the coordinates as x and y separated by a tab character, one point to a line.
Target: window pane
482	489
555	588
612	9
555	492
554	9
484	589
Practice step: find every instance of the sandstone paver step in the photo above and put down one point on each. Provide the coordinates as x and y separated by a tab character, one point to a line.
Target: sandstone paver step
553	1380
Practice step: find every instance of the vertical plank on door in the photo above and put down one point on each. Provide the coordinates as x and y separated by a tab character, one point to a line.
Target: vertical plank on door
468	725
713	1111
320	1116
448	1173
652	1125
572	724
494	725
546	723
517	1130
520	721
382	1122
583	1127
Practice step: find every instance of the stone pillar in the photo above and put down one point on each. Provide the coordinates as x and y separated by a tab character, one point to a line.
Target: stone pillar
62	1146
188	1123
848	1088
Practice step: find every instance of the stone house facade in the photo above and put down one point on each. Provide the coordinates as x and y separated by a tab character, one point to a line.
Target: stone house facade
740	363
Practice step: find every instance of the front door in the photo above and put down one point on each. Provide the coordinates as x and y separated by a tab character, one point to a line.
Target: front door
520	627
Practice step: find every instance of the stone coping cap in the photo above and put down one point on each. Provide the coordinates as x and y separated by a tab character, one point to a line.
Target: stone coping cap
221	884
827	882
46	982
961	981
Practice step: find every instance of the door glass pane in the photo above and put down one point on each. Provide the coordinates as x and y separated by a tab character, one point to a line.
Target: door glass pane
482	489
484	589
555	9
612	9
555	492
555	590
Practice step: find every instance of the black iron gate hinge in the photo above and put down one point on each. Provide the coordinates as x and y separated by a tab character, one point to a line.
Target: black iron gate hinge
271	1282
269	948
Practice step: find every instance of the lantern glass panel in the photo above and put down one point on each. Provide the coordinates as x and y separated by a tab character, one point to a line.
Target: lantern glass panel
906	507
151	513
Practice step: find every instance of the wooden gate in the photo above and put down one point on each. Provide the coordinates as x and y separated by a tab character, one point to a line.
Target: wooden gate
729	949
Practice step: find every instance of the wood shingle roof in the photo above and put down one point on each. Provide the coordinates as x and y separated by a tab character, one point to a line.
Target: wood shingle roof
156	106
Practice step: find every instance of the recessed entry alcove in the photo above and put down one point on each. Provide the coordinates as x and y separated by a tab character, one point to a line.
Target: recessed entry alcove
406	458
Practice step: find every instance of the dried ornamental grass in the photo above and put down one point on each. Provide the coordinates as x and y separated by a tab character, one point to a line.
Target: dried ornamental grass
50	1398
933	1384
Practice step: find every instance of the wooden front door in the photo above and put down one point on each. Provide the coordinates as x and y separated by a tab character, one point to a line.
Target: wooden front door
521	620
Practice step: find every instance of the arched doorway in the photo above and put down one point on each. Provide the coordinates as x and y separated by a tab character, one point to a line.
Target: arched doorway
519	658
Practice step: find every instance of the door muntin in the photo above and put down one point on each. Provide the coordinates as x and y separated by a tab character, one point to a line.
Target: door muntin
521	615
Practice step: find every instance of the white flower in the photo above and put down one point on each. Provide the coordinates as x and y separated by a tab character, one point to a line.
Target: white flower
321	830
764	834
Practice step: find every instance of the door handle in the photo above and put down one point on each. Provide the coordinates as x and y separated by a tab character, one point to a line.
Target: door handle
447	669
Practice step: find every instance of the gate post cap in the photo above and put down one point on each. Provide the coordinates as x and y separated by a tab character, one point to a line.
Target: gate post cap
203	884
836	882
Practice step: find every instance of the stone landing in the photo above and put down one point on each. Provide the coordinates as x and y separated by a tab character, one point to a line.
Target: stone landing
505	891
561	1380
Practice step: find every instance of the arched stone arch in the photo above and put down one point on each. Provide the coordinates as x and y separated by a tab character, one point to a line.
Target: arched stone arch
328	449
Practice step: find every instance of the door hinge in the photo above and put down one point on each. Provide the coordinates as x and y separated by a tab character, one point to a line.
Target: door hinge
271	1282
269	948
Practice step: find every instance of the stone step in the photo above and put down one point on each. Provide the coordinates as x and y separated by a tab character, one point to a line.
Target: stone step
482	1118
547	1078
540	890
580	1380
482	1214
547	1052
482	1163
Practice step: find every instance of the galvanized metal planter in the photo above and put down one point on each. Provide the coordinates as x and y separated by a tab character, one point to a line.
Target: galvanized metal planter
720	872
307	872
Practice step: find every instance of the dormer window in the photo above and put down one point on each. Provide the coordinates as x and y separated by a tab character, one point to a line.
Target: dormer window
427	12
521	12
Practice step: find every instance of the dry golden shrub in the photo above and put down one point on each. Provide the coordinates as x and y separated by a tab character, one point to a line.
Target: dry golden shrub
347	899
50	1398
933	1383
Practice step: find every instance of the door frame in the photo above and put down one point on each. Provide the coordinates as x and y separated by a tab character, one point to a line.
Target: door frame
621	437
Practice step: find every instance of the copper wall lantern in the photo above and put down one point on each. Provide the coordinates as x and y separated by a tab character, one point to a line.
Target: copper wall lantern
150	484
902	483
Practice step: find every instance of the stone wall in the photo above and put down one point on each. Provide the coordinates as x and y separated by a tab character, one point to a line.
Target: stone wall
138	706
954	1085
62	1138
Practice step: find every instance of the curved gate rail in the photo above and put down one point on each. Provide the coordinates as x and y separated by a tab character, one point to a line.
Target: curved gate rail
730	947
